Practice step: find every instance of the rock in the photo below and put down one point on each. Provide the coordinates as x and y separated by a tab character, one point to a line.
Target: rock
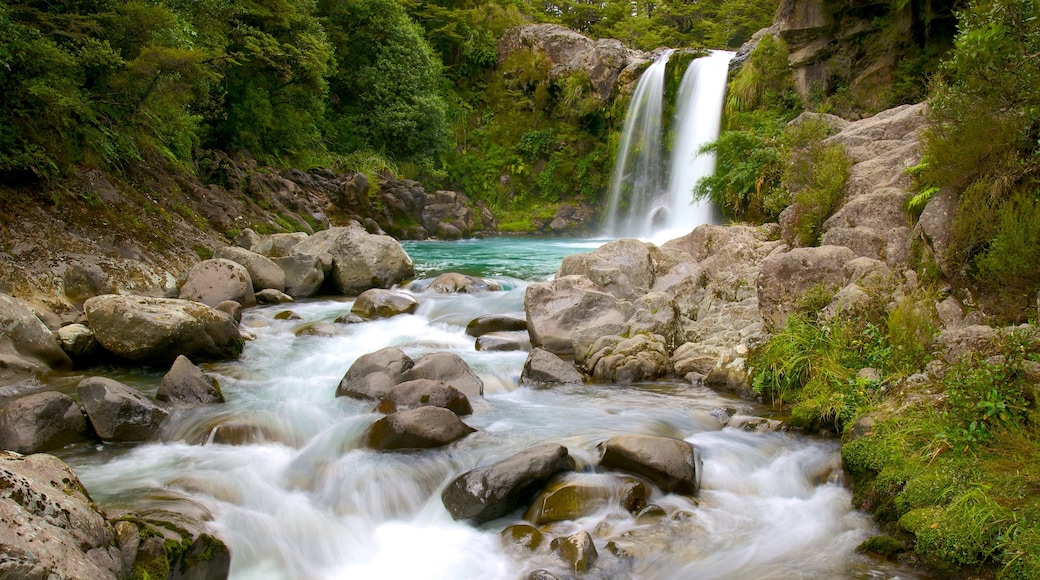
556	309
619	360
316	329
277	245
495	323
41	422
504	341
77	341
423	392
354	260
158	330
304	275
287	315
671	464
449	368
24	336
380	303
247	239
348	318
231	308
577	551
622	268
958	343
936	228
118	412
787	277
272	296
179	545
522	537
186	384
373	374
51	527
213	281
455	283
264	274
568	499
449	215
544	369
420	428
493	491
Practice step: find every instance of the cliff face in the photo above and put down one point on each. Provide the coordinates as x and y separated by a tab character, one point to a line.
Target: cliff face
862	47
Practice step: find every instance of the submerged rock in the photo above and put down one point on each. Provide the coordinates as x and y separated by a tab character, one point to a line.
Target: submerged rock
577	551
455	283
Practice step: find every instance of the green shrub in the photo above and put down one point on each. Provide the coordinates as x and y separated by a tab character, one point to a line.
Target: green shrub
816	176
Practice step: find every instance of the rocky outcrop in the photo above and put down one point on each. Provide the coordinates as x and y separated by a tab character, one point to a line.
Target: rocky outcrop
118	412
158	330
568	51
493	491
423	427
41	422
408	212
557	308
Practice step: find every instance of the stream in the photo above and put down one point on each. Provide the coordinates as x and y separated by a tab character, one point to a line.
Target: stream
280	471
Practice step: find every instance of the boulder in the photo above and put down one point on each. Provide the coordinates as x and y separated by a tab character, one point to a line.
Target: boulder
420	428
380	303
232	309
495	323
577	551
936	228
186	384
557	308
51	527
543	368
158	330
214	281
504	341
787	277
492	491
373	374
77	341
41	422
265	274
522	537
272	296
671	464
277	245
24	337
455	283
450	368
423	392
354	260
629	360
568	499
303	274
316	328
177	546
118	412
622	268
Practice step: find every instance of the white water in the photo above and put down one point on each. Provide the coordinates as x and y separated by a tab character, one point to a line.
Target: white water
303	500
698	117
638	178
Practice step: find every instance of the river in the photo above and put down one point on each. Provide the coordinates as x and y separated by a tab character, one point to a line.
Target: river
295	497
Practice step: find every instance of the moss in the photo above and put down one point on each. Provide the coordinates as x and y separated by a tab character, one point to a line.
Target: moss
882	544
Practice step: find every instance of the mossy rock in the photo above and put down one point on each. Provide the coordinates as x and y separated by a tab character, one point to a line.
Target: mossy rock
884	545
567	500
523	537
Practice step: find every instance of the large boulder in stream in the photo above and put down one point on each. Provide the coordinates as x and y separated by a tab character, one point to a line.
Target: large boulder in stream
373	374
671	464
186	384
265	274
119	412
214	281
51	527
158	330
41	422
455	283
422	393
544	369
382	303
354	260
448	367
557	308
495	490
420	428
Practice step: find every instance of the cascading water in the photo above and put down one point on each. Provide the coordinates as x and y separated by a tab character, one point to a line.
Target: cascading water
638	178
281	470
698	117
638	202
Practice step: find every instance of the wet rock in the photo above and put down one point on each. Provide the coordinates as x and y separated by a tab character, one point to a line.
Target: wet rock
556	309
650	512
373	374
634	495
619	360
495	323
577	551
449	368
522	537
542	575
671	464
264	274
272	296
543	368
178	544
214	281
186	384
492	491
77	340
51	527
419	428
316	329
455	283
348	318
303	274
354	260
118	412
287	315
380	303
158	330
231	308
424	392
568	499
504	341
41	422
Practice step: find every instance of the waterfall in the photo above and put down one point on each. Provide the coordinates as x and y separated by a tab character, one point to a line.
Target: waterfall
653	211
638	178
